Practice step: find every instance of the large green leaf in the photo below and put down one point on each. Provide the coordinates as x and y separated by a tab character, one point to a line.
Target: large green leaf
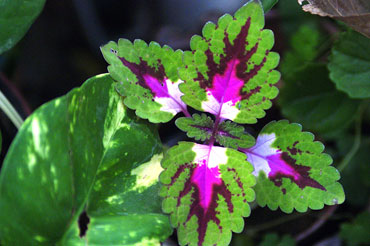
308	97
16	17
81	150
350	64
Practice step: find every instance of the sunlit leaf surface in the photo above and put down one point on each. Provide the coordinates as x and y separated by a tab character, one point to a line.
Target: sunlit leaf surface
81	150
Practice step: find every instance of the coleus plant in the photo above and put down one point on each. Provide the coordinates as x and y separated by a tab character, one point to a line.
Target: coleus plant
229	74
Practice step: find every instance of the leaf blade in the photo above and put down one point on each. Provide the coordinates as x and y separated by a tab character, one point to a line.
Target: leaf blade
349	65
206	190
54	159
16	17
229	72
147	76
292	171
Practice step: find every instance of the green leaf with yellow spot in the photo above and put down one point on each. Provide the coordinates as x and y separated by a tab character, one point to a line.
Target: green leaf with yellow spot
80	152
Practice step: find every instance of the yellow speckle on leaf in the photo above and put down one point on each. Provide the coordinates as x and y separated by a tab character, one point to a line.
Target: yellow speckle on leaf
147	174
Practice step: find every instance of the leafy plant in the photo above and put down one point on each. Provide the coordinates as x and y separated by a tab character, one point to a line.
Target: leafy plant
77	156
230	74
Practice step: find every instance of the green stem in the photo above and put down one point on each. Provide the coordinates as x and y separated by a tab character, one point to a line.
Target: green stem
9	110
357	142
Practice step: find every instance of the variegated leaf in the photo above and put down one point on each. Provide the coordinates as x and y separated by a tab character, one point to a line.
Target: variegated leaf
229	71
147	76
291	170
206	190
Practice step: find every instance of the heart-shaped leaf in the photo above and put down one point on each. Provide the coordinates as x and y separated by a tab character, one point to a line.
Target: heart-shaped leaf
349	64
80	152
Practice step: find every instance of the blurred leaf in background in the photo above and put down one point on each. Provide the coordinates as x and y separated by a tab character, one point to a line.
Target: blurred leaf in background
304	45
268	4
357	232
274	239
310	98
16	17
349	64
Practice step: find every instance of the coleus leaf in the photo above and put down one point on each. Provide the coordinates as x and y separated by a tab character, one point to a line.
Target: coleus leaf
228	134
291	170
199	127
206	190
232	135
147	76
229	71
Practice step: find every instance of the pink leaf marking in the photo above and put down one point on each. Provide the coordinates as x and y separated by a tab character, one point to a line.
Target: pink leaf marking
277	164
164	91
226	80
207	185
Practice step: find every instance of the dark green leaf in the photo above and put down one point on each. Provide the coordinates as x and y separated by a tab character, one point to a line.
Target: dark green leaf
16	17
304	49
308	97
233	135
268	4
292	17
349	64
199	127
273	239
61	161
357	233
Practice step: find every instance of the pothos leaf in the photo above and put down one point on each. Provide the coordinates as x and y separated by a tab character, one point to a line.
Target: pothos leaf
206	190
291	170
199	127
147	76
229	71
233	135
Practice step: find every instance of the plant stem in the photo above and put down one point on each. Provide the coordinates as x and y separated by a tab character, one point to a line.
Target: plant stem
329	211
357	142
9	110
274	223
186	112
